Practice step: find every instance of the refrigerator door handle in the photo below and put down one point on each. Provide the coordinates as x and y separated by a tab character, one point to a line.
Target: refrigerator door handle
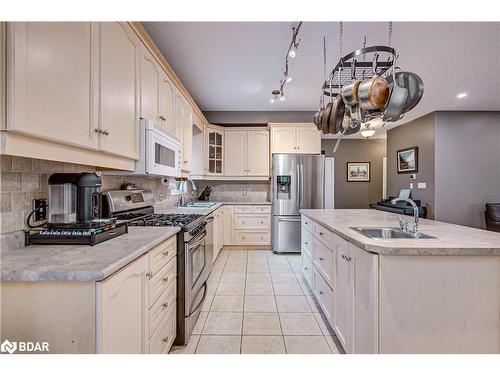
297	171
301	197
289	219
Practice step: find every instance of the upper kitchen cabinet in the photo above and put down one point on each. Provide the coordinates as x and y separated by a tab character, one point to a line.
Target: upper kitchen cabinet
179	115
215	143
246	153
301	138
166	102
150	86
119	59
187	137
52	73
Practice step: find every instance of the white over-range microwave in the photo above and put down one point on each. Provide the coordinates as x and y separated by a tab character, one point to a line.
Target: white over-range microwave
159	151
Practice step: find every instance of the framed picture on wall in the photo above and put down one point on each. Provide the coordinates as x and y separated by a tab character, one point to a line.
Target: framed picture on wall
408	160
358	171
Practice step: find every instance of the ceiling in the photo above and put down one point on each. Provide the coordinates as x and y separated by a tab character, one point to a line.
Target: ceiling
234	66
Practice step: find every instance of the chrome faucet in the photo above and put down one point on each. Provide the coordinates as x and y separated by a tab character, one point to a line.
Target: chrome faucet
403	224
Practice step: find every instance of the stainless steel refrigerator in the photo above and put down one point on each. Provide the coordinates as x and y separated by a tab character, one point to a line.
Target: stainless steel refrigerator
297	183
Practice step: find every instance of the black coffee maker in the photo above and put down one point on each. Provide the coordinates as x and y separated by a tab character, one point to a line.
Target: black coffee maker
74	200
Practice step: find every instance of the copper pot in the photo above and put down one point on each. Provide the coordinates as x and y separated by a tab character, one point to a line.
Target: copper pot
373	93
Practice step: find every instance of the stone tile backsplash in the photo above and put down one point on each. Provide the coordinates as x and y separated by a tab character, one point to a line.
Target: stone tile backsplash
25	179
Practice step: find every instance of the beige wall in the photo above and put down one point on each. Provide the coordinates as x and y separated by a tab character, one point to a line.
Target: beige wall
356	194
418	133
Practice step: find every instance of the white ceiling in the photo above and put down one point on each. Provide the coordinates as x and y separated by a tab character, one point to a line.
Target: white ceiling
234	66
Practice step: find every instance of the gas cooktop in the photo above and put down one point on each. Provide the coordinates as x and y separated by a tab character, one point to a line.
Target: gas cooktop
163	220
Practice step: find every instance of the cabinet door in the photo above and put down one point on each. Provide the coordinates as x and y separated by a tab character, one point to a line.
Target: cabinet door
216	234
257	153
221	229
166	102
228	225
365	307
215	151
344	314
284	140
119	59
187	138
235	153
150	91
308	140
179	119
121	310
53	80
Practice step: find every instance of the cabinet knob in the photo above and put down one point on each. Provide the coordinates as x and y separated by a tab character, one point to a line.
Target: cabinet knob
321	258
165	339
320	292
149	275
262	222
105	132
307	243
165	305
165	253
97	130
306	268
165	279
320	233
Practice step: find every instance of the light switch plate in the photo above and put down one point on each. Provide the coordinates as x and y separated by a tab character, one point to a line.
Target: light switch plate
244	192
411	185
422	185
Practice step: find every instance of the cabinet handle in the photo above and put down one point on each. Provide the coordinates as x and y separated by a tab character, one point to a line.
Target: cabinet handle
306	243
149	275
306	268
165	305
320	233
105	132
262	222
320	292
165	279
321	258
348	258
97	130
165	253
165	339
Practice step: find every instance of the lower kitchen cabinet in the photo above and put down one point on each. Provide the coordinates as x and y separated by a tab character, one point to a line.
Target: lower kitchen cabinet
228	225
218	236
344	280
132	311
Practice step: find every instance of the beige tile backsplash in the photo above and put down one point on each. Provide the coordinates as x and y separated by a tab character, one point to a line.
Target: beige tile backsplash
256	191
25	179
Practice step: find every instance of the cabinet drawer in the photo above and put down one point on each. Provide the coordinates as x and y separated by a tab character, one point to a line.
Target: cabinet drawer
161	281
244	209
256	237
323	234
162	254
261	209
324	260
307	269
252	221
324	295
307	223
161	307
306	241
164	336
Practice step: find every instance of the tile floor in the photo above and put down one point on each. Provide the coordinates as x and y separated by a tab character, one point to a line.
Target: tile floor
258	303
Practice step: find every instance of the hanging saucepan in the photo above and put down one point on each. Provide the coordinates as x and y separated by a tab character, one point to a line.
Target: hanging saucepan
396	104
373	93
350	93
413	83
337	115
326	118
320	118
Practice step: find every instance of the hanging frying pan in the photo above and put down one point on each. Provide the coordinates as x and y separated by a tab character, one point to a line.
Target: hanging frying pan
336	115
326	118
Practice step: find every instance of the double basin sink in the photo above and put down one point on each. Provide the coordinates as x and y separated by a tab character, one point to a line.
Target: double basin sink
387	233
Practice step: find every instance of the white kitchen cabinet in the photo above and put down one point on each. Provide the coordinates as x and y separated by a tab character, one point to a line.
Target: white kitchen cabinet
344	301
179	115
214	151
258	153
218	236
121	310
228	225
235	153
187	137
52	74
150	86
119	60
246	153
295	139
166	102
252	225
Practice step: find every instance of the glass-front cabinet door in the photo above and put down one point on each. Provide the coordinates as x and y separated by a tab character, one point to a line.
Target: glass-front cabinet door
215	142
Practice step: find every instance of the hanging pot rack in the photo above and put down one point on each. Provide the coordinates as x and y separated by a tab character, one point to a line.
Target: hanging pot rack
354	65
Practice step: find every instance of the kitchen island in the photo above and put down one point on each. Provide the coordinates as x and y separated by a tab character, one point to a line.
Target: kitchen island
398	295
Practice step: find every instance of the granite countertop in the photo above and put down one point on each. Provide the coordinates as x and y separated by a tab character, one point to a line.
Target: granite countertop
161	209
80	262
451	239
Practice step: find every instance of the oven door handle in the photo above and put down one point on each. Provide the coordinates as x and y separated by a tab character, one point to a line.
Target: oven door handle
194	245
205	288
